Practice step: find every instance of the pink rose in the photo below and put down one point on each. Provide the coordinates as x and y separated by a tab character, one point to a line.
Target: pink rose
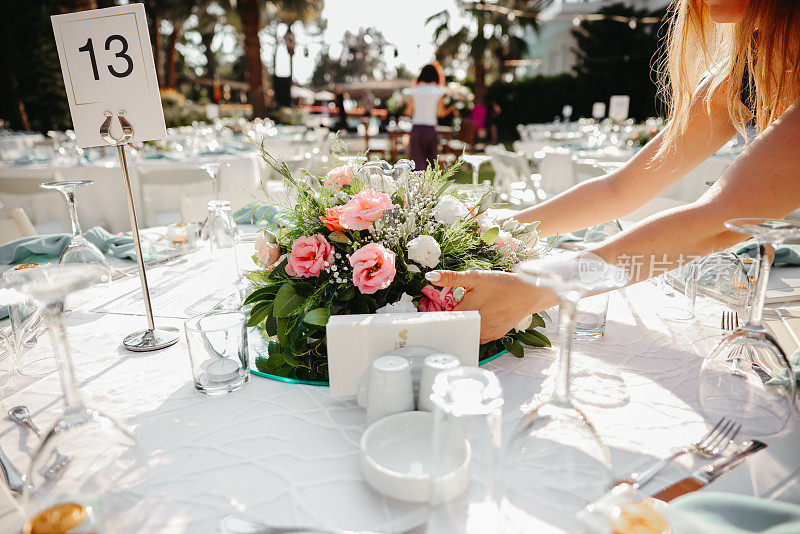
373	268
364	209
436	300
331	219
339	176
309	255
267	253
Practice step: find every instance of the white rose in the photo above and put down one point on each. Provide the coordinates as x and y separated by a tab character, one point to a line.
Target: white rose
404	305
510	225
524	324
485	222
424	250
449	210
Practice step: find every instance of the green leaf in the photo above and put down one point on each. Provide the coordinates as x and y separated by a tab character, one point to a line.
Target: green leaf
262	364
317	316
259	294
271	325
259	313
359	305
304	289
538	322
543	340
287	301
347	294
491	235
513	347
356	186
283	330
279	270
532	340
273	348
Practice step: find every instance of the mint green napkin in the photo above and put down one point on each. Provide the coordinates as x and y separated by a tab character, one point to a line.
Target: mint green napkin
785	255
711	512
52	244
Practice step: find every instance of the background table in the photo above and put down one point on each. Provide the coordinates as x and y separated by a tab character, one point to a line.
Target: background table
289	454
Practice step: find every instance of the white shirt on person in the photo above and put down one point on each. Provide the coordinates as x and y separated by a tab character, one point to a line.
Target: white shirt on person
426	104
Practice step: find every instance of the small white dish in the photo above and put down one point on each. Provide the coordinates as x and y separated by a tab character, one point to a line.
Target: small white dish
396	458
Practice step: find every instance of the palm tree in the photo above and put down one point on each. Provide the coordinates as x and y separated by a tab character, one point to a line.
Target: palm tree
497	38
250	14
289	12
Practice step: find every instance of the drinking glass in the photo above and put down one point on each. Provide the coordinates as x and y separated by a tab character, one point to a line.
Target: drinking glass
27	324
86	457
590	316
555	463
218	351
722	277
466	443
220	226
79	250
748	376
6	357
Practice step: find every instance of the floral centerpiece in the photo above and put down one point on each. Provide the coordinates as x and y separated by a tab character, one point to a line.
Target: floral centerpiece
359	240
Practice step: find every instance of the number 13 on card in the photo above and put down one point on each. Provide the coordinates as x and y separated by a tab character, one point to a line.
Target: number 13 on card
107	64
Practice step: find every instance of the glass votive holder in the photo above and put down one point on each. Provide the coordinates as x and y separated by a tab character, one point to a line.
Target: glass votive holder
590	317
183	235
218	351
27	324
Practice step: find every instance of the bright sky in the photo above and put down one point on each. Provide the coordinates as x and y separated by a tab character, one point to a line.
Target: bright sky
402	24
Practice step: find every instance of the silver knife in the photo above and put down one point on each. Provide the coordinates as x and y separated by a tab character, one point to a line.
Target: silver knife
712	471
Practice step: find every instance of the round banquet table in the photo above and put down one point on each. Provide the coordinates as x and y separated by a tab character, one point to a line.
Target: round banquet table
289	454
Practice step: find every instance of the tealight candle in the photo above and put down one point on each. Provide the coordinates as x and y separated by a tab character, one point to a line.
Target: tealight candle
222	370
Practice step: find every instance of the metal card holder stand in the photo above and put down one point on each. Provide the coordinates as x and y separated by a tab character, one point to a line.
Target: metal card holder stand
153	338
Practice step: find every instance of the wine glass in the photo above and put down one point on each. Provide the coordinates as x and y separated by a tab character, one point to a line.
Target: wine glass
86	457
79	250
748	375
213	170
555	463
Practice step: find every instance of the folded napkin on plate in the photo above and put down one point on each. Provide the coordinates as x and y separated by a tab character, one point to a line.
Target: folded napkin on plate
268	216
19	249
785	255
712	512
781	379
571	237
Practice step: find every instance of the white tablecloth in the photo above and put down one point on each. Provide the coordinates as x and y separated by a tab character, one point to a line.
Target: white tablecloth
289	454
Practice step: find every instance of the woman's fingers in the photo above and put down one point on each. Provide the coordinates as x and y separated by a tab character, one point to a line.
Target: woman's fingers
450	278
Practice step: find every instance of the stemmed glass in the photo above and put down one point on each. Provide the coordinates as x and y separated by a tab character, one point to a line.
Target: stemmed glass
79	250
213	170
555	463
748	375
96	455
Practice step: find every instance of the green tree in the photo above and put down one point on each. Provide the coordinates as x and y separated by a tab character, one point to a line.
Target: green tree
615	57
494	35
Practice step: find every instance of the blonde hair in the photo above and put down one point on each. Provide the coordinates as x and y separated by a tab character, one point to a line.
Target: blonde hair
756	60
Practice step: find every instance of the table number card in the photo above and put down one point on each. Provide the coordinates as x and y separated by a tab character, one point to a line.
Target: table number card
107	64
618	107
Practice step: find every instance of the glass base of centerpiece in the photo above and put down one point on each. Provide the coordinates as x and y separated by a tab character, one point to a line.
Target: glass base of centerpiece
360	240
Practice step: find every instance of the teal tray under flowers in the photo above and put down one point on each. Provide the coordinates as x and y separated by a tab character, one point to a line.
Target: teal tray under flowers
325	383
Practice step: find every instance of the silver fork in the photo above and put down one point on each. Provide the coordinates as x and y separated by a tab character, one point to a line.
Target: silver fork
730	323
21	416
236	524
709	446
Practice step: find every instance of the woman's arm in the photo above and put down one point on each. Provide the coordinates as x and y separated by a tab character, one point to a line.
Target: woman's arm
442	110
762	182
409	112
641	179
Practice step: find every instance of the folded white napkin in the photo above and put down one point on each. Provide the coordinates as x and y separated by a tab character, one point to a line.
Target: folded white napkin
11	518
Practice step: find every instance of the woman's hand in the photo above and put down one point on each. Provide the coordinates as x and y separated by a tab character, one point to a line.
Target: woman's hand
502	299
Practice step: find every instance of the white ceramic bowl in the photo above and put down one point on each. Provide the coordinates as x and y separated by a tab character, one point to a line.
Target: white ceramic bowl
396	458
